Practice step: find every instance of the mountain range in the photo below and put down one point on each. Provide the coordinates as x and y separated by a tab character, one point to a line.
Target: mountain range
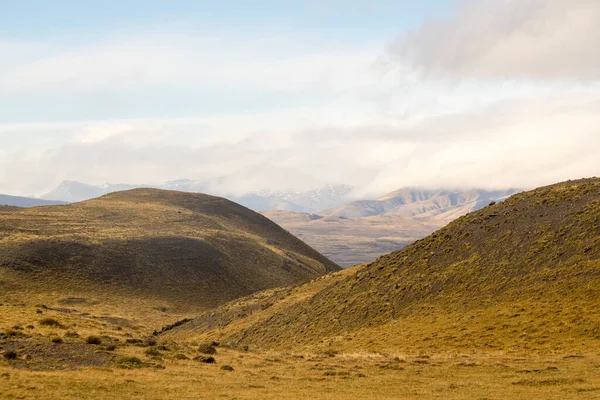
18	201
328	196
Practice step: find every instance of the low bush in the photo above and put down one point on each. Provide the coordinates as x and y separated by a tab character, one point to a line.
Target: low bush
93	340
129	362
207	349
51	322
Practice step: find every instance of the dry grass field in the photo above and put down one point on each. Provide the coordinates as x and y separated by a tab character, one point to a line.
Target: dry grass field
57	362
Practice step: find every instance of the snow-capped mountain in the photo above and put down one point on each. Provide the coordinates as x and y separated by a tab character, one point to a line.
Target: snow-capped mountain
328	196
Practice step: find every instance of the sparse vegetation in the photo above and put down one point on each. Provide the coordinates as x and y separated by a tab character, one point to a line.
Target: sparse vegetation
93	340
152	352
51	322
129	362
205	359
207	349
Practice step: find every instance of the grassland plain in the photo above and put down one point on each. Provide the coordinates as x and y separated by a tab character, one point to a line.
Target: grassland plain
503	303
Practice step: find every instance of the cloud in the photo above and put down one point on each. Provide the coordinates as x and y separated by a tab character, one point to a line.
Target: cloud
532	39
501	94
523	143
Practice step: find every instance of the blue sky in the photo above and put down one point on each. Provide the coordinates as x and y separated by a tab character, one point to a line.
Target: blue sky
338	20
379	94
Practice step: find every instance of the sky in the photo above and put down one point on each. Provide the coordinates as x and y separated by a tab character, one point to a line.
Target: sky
272	94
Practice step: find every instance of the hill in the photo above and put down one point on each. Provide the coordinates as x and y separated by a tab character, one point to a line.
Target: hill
17	201
443	205
174	249
354	241
521	275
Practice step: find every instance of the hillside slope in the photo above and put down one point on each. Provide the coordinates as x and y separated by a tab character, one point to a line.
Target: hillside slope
521	274
180	249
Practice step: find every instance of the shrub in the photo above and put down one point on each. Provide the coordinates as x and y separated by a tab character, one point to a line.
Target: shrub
207	349
150	342
111	347
152	352
57	340
205	359
129	362
11	355
227	368
93	340
51	322
330	353
181	357
72	334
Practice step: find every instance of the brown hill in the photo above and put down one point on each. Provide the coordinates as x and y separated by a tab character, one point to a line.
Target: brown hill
522	274
179	249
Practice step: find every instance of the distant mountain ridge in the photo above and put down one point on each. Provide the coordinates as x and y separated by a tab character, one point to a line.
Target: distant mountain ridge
26	202
328	196
442	204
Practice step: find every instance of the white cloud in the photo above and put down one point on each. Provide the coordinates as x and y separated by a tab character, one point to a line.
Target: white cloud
536	39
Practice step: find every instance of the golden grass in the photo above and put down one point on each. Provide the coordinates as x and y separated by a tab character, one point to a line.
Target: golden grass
287	376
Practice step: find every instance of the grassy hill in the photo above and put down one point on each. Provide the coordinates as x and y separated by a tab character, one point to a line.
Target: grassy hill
523	274
174	250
